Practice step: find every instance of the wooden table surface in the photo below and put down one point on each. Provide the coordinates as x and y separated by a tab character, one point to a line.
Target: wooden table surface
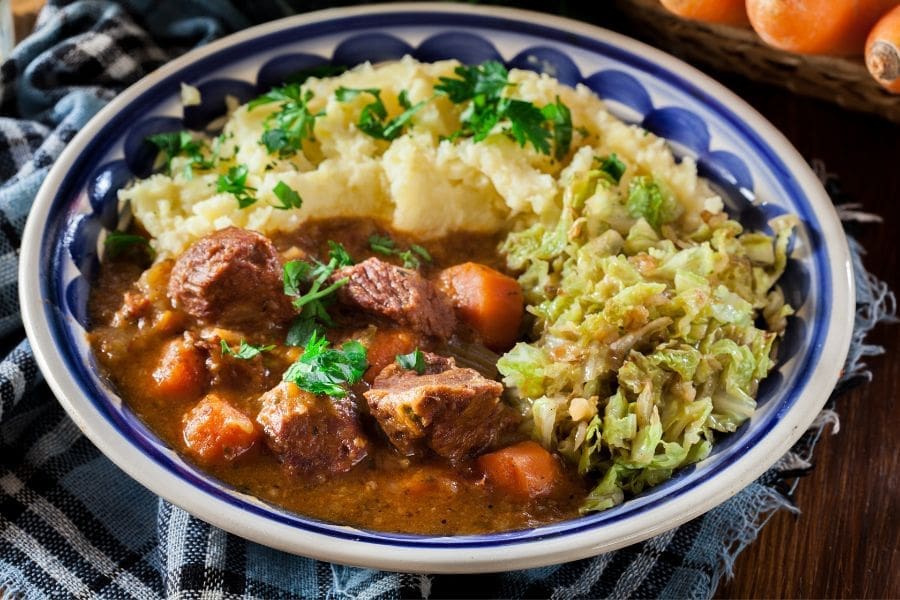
845	543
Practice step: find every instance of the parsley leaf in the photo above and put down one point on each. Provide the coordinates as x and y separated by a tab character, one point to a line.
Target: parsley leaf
289	198
414	361
612	166
313	303
482	87
302	330
339	254
324	370
235	183
118	243
317	275
489	79
373	118
561	117
412	258
420	251
180	143
294	273
245	351
526	123
292	124
381	244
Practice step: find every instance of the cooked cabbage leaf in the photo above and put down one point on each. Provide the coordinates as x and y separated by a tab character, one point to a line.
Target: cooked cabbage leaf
650	325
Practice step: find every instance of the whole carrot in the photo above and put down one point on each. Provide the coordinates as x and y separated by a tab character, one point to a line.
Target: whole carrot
883	51
835	27
728	12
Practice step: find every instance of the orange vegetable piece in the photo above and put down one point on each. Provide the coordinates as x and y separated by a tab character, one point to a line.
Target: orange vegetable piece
487	300
836	27
215	431
727	12
523	470
883	51
386	344
181	372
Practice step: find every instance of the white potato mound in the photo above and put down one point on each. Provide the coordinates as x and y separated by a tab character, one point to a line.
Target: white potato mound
421	182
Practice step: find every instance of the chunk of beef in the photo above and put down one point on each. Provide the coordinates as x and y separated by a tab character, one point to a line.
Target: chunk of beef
232	278
250	375
312	435
397	294
456	412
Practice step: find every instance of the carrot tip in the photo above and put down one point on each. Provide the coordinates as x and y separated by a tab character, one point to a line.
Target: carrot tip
883	61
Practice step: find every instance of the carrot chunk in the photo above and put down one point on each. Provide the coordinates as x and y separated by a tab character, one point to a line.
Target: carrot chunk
181	372
215	431
837	27
487	300
523	470
728	12
386	344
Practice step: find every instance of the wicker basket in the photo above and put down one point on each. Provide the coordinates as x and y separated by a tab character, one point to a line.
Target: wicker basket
844	81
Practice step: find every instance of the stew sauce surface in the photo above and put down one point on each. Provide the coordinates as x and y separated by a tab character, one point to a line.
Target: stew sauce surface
387	491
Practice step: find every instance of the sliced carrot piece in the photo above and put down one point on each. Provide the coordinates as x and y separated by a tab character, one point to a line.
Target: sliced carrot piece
181	372
727	12
836	27
883	51
384	347
215	431
523	470
488	301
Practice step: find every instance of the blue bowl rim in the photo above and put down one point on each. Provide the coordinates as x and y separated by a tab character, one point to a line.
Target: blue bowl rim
524	22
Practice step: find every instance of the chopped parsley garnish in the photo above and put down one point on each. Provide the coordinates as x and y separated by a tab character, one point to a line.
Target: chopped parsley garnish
339	255
487	80
235	183
612	166
381	244
561	117
373	120
412	258
288	196
287	129
245	351
414	361
482	86
313	302
180	143
324	370
118	243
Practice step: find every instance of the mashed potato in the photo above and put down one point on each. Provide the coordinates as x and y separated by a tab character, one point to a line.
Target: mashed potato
420	182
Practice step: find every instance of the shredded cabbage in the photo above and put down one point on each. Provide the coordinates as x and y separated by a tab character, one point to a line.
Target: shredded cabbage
647	327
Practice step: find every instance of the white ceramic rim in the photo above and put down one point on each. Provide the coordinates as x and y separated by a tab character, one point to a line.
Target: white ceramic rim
571	546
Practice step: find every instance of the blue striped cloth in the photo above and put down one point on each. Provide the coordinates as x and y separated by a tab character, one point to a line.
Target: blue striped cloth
73	525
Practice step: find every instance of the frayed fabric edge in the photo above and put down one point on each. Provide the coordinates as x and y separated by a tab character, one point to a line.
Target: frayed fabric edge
12	588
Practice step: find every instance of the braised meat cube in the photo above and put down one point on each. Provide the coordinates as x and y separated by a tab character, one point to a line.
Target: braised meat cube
453	411
232	278
312	435
396	294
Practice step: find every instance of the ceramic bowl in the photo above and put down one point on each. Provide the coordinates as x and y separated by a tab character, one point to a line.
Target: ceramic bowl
755	168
